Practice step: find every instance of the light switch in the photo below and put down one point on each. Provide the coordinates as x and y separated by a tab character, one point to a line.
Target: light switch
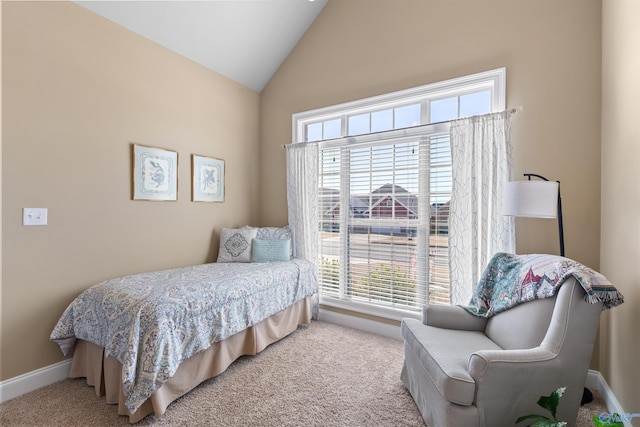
34	216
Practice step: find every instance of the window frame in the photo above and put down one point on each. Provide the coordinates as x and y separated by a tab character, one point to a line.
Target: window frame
493	80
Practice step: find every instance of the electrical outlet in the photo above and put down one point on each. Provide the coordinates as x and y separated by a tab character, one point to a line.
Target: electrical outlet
34	216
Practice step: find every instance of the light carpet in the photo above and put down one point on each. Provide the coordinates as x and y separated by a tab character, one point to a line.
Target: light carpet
321	375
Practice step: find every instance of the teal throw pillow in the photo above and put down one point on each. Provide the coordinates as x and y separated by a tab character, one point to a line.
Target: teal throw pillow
270	250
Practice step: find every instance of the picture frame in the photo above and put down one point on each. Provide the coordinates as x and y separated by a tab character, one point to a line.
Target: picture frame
207	179
154	174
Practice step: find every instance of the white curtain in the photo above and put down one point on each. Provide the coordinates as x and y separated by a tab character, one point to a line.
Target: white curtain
481	166
302	198
302	202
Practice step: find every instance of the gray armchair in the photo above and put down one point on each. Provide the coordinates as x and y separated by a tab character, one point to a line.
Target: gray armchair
464	370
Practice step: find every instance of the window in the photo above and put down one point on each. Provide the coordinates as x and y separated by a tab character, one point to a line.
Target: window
384	189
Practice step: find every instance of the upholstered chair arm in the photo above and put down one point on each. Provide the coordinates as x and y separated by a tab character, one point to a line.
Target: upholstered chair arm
500	375
485	362
452	317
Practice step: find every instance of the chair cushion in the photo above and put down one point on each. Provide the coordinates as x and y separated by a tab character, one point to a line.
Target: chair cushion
444	355
522	326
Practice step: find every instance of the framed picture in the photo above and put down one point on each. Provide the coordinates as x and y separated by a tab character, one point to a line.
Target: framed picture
155	173
207	180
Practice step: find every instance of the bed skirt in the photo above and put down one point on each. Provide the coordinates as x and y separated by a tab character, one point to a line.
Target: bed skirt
104	373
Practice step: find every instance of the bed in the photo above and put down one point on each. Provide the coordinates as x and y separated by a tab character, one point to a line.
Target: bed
145	340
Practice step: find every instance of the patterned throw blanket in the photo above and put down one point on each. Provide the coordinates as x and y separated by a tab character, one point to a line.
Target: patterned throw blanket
511	279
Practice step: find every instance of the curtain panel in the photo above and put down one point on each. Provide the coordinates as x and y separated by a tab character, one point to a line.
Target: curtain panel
302	198
481	165
302	203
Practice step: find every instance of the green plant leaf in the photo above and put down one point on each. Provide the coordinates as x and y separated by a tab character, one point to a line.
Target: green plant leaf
551	402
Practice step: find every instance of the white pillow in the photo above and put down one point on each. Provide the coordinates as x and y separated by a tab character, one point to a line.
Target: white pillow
235	244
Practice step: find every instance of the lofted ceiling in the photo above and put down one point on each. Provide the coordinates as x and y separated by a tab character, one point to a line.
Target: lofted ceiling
244	40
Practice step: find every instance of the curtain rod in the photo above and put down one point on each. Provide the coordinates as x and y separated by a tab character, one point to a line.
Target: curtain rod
510	110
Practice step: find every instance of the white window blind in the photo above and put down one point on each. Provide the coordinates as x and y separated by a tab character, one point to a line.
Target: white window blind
388	246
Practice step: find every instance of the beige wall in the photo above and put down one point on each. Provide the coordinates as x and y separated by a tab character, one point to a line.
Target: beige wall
552	53
551	50
620	241
77	91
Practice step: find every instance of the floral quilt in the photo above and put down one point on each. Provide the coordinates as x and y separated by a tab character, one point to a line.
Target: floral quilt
152	322
509	280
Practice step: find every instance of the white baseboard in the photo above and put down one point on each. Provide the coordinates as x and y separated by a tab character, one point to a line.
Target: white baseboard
361	324
596	381
34	380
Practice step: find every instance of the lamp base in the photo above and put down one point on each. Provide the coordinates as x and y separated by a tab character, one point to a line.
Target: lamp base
587	396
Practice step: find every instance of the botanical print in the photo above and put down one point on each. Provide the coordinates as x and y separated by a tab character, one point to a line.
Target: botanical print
155	173
207	179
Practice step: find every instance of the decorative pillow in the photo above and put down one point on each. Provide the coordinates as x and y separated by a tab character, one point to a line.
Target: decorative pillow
273	233
235	244
270	250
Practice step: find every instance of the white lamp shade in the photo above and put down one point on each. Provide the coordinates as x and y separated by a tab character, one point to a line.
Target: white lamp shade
531	199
